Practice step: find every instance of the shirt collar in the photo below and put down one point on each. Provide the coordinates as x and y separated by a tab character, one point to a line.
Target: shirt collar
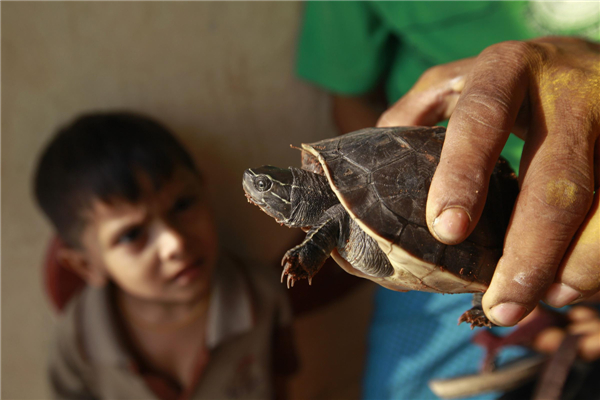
231	307
230	313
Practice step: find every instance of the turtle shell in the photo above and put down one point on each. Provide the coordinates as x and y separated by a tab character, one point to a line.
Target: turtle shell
382	178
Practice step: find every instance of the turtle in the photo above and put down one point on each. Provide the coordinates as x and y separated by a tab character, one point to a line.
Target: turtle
361	198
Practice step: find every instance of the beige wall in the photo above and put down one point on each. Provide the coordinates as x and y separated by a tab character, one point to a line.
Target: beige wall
219	74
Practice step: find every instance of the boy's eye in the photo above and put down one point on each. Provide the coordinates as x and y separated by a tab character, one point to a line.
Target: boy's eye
184	203
131	235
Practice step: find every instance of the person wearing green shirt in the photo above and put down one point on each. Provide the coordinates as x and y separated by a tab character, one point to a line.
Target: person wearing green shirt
477	64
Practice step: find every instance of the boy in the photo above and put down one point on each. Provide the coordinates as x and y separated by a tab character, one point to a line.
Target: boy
164	315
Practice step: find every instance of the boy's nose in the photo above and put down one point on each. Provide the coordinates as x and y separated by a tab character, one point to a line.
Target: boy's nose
171	244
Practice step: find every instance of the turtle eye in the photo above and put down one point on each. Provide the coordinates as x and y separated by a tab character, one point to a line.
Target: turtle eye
263	184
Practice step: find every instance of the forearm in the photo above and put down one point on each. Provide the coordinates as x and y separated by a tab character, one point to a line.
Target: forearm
351	113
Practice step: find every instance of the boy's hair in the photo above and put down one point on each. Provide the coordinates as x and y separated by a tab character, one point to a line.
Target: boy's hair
100	156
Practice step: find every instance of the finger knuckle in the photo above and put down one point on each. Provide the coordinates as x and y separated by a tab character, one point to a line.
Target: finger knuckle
488	107
515	52
562	191
473	173
561	201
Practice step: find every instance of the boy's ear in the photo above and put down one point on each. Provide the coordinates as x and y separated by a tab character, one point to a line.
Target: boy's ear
78	262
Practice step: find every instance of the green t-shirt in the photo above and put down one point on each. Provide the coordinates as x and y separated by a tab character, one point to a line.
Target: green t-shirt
350	47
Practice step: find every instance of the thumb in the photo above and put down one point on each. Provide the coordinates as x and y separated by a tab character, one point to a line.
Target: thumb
432	99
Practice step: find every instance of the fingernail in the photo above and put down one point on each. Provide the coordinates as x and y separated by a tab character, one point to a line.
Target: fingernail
507	314
458	84
451	225
559	295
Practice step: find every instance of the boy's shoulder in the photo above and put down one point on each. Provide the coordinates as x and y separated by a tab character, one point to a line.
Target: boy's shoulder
86	329
70	319
65	329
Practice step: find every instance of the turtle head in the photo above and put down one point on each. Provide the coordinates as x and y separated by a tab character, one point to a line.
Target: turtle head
270	188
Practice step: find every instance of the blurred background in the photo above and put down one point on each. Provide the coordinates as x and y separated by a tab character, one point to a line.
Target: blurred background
220	75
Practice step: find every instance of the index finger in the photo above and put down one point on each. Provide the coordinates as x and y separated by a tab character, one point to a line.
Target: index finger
476	134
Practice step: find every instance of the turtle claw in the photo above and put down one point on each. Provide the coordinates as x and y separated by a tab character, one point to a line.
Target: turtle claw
290	279
476	317
294	268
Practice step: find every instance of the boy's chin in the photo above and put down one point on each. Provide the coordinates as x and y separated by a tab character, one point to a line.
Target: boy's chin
191	291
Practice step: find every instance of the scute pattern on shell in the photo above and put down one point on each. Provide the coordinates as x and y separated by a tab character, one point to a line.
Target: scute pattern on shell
383	179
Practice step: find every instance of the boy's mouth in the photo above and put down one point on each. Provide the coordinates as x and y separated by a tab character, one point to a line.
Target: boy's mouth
190	273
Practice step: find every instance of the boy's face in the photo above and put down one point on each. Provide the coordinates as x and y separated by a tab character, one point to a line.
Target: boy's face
163	248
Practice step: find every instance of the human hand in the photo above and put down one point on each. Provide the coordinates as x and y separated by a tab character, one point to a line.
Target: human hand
584	321
547	92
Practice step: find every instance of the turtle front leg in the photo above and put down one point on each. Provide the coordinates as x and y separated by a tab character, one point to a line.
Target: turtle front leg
475	316
306	259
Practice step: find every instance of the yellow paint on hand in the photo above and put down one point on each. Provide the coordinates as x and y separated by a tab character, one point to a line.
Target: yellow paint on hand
561	193
576	85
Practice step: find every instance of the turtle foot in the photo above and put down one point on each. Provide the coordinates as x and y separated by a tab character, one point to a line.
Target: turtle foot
476	317
294	268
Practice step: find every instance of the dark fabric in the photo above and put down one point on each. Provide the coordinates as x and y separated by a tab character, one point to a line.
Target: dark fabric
583	383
